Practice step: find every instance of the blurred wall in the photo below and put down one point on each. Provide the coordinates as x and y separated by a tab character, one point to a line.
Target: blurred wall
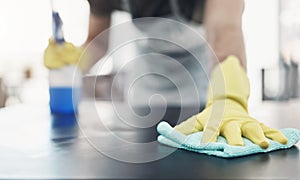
260	26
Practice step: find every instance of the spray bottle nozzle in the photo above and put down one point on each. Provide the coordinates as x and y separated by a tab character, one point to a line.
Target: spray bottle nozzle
57	28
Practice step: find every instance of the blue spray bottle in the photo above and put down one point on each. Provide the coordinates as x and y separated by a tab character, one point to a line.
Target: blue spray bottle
64	82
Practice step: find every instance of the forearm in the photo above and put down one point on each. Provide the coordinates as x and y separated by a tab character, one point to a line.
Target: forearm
223	24
97	44
228	40
98	25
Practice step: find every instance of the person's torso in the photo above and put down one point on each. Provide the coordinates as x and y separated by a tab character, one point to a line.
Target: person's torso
188	10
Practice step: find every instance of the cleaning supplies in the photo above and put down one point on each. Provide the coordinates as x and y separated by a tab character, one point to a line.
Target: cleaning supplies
171	137
226	111
64	77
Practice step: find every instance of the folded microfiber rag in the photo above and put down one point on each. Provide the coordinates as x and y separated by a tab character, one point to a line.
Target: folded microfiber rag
172	137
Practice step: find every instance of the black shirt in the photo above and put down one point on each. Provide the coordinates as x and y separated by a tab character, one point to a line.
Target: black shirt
190	10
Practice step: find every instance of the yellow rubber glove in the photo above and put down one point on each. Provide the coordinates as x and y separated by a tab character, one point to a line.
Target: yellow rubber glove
59	55
226	111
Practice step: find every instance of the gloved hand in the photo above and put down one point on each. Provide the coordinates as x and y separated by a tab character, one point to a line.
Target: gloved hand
59	55
226	112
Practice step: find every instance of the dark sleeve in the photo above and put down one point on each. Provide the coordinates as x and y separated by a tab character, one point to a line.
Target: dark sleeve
198	14
103	7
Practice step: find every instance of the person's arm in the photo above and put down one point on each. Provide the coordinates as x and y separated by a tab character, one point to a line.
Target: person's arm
223	24
99	23
226	111
97	45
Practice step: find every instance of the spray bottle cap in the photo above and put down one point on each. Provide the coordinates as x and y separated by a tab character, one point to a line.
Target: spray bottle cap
57	28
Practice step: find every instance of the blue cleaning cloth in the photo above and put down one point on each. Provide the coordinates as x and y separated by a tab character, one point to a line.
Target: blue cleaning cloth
172	137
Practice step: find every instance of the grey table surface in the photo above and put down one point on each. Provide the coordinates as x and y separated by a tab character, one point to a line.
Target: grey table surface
105	143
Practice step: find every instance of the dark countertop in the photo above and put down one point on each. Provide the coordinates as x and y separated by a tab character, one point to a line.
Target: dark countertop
105	144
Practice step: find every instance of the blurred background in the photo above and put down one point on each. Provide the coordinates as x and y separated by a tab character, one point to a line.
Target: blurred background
271	31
